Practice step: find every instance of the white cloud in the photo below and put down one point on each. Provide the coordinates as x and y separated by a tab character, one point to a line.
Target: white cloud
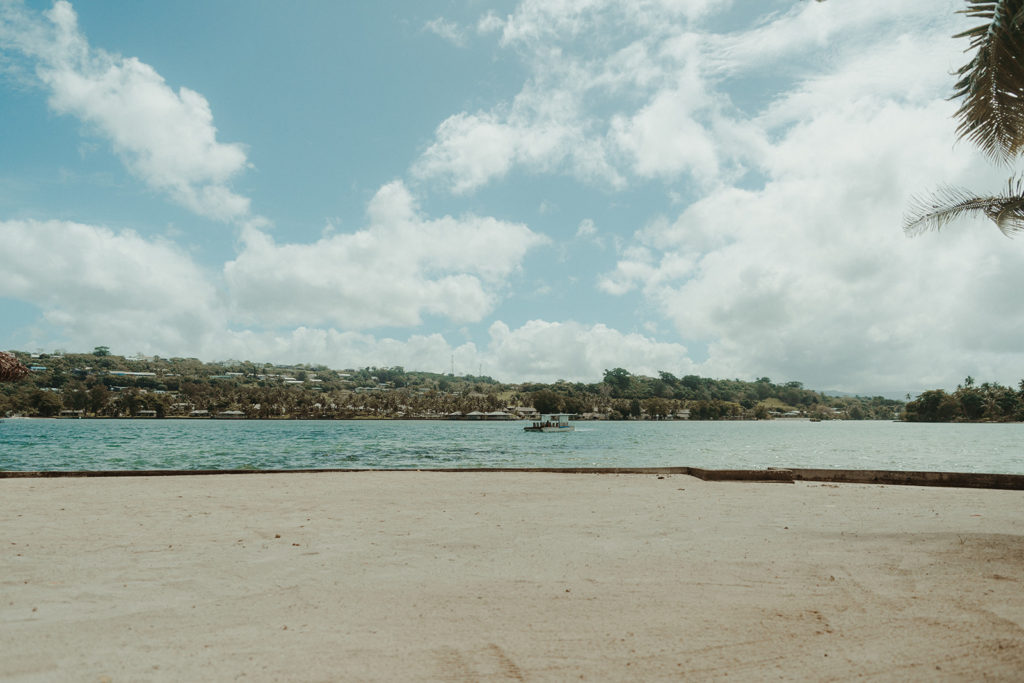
98	286
400	268
550	125
802	271
489	23
121	290
613	88
471	149
547	351
802	137
665	139
447	30
619	93
166	138
537	351
822	32
539	132
810	277
586	228
545	20
342	349
94	285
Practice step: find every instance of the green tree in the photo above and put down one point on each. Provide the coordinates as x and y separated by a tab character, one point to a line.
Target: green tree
634	408
46	403
657	407
547	401
619	380
933	406
99	396
574	405
101	351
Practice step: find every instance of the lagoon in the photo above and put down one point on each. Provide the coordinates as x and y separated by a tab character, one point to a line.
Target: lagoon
62	445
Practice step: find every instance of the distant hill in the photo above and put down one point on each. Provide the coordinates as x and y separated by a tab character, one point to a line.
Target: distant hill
106	385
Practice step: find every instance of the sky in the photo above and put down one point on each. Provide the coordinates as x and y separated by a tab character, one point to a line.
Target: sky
533	190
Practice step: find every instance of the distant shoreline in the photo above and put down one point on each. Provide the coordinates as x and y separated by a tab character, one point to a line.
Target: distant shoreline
387	418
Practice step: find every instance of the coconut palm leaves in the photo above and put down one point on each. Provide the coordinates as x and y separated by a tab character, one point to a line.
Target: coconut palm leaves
991	115
991	85
949	203
10	369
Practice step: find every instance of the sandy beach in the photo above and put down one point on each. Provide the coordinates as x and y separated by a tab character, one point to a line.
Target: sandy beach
508	576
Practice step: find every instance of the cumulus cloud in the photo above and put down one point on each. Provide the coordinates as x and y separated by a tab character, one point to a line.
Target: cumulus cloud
544	20
342	349
614	88
790	148
586	228
619	93
447	30
550	125
547	351
94	285
471	150
165	137
401	267
809	276
537	351
665	139
790	261
97	285
137	294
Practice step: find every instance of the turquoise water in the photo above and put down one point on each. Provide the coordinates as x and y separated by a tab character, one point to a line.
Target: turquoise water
39	444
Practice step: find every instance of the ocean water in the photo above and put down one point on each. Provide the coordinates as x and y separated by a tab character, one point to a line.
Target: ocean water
41	444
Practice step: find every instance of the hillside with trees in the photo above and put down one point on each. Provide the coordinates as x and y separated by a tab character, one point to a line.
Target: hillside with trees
100	384
987	402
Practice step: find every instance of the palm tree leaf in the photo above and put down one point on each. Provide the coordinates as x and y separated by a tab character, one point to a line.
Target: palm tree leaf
950	203
1010	216
991	84
10	369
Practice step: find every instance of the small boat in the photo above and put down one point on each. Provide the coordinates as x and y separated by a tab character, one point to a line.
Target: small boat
555	422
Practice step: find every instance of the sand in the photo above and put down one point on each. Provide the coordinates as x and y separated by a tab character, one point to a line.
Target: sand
510	576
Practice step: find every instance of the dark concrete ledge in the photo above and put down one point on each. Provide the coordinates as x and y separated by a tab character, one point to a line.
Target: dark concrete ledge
771	474
970	480
974	480
48	474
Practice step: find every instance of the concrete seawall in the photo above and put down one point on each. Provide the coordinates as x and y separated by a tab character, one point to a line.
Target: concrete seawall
973	480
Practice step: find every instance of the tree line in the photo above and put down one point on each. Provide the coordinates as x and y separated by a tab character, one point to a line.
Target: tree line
100	384
971	402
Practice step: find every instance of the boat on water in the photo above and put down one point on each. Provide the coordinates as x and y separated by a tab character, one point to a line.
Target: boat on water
555	422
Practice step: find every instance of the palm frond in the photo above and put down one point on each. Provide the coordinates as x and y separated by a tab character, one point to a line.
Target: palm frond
10	369
950	203
991	84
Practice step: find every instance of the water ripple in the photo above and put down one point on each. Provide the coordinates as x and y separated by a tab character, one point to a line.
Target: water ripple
210	444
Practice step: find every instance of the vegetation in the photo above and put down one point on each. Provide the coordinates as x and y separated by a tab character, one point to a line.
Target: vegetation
988	402
991	115
100	384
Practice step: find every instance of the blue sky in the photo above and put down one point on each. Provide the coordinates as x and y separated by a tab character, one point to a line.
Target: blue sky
540	190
